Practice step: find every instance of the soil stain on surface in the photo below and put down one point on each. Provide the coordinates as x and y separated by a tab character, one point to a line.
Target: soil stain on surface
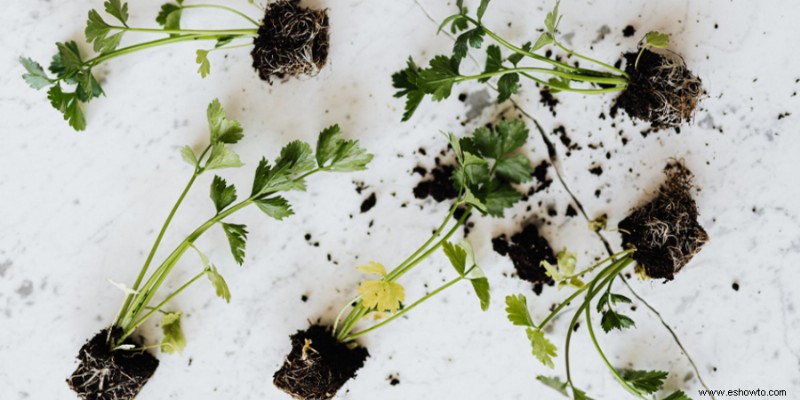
368	203
440	185
527	249
111	375
665	231
318	365
291	41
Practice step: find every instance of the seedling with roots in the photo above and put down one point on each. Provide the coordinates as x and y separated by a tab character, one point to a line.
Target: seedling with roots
488	166
289	41
661	91
113	350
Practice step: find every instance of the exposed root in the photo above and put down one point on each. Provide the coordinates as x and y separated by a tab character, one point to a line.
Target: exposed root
665	231
661	90
292	40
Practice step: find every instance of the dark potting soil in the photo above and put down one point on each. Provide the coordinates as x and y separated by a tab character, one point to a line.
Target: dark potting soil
318	365
368	203
629	31
548	100
291	41
661	90
439	185
111	375
665	231
527	250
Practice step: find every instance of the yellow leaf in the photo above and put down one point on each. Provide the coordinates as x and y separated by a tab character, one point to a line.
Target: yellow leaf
381	295
372	267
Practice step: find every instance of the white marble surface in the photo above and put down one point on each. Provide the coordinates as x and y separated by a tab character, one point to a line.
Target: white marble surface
77	209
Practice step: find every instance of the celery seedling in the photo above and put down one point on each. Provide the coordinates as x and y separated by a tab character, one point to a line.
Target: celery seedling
290	40
112	365
661	91
488	165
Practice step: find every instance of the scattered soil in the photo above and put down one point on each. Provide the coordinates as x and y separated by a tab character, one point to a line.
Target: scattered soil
291	41
106	375
596	170
318	365
661	90
440	186
629	31
571	212
548	100
527	249
368	203
665	231
540	175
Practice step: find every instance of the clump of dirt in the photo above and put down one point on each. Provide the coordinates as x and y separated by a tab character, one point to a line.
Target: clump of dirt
661	90
440	185
291	41
548	100
111	375
368	203
665	231
318	365
527	250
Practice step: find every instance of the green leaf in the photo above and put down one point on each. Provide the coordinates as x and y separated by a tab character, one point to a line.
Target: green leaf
645	381
551	271
494	61
35	77
566	261
472	200
67	103
471	38
679	395
501	198
276	207
343	155
204	67
517	310
481	286
612	320
482	9
516	169
657	40
618	298
173	340
405	81
222	128
222	194
222	157
554	383
188	155
541	347
119	11
578	394
109	44
542	41
552	20
517	57
507	85
219	284
223	41
438	78
96	28
68	59
88	87
457	256
506	137
327	144
237	238
170	16
458	23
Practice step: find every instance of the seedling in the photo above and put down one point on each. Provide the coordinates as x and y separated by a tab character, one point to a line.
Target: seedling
291	40
661	91
113	365
662	233
487	168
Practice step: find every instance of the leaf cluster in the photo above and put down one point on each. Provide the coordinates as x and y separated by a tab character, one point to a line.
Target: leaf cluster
463	261
541	347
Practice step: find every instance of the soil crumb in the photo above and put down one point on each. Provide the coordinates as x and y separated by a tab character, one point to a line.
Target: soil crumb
439	184
368	203
527	250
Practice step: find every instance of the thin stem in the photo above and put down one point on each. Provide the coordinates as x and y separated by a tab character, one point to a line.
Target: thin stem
141	46
567	75
570	89
237	12
341	312
215	32
592	60
404	310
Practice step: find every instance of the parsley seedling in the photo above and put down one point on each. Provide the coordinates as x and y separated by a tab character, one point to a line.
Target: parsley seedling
295	164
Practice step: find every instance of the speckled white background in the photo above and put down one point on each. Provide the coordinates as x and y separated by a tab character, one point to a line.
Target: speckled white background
77	209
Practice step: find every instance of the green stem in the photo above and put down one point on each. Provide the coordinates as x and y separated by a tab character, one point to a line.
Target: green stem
215	32
142	46
570	89
237	12
592	60
403	311
571	76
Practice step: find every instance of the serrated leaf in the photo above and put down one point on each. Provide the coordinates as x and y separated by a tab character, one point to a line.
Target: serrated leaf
541	347
657	40
494	61
482	9
88	87
96	28
471	38
223	129
339	155
507	85
220	286
472	200
578	394
645	381
68	59
327	143
506	137
67	103
500	198
276	207
552	20
405	81
173	340
618	298
516	169
119	11
35	77
438	79
517	310
373	267
554	383
381	295
108	44
187	154
222	194
679	395
222	157
551	271
481	286
237	238
296	158
204	66
457	256
543	40
170	16
612	320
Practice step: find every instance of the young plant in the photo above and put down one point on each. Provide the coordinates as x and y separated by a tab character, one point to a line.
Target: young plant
112	364
659	90
662	233
324	358
291	40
